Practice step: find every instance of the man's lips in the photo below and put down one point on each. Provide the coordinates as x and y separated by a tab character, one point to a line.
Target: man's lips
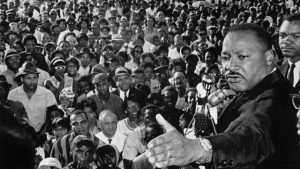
233	78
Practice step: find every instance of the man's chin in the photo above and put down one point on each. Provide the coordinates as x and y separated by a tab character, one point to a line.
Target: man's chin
237	87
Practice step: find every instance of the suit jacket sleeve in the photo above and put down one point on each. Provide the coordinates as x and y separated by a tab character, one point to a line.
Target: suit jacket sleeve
246	142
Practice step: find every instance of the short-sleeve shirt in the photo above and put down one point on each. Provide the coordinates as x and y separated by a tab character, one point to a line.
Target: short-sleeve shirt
134	145
36	106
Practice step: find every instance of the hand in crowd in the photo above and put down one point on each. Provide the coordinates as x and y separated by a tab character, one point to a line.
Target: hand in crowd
172	148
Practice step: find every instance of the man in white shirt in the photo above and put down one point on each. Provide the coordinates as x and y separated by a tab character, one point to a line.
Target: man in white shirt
108	122
36	99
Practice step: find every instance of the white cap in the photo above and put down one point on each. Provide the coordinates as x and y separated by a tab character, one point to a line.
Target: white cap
51	162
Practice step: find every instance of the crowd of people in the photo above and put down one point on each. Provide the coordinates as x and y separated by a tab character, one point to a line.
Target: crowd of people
144	84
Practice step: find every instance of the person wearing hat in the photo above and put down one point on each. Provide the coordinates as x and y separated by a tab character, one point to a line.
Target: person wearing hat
43	76
139	80
59	80
123	81
123	22
12	61
36	99
50	162
117	42
53	16
103	98
10	37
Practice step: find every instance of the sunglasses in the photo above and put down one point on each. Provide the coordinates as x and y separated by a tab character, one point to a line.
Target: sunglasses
60	67
296	101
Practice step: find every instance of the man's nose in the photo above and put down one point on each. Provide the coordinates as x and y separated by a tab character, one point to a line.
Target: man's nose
232	64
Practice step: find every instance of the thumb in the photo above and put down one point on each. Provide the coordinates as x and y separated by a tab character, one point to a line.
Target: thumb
164	123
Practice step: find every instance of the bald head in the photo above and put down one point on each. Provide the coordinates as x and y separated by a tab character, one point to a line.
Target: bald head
107	113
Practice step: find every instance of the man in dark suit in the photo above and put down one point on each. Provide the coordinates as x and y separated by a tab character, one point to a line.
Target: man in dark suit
289	43
257	128
123	81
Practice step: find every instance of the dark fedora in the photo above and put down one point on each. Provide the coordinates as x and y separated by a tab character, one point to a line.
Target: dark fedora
3	82
27	68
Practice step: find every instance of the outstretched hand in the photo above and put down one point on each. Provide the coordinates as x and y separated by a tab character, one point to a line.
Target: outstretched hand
172	148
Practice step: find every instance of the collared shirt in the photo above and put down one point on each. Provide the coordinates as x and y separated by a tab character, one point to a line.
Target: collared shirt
114	103
36	106
84	71
134	144
122	94
296	72
118	140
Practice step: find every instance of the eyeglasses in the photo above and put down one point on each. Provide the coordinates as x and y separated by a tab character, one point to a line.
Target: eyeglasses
60	67
296	101
138	51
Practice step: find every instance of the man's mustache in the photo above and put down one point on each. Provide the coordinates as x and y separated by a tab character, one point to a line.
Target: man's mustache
230	74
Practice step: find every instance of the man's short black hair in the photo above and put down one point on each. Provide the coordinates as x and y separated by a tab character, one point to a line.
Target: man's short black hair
61	122
170	89
78	112
262	35
293	17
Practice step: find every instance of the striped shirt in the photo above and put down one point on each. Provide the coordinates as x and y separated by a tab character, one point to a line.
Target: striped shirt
61	149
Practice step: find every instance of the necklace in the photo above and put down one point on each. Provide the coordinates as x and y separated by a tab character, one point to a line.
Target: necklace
132	125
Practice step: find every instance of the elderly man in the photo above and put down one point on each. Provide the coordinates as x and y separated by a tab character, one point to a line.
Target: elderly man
108	122
258	127
104	99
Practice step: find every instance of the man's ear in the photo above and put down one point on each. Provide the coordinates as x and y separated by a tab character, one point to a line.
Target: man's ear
270	57
22	80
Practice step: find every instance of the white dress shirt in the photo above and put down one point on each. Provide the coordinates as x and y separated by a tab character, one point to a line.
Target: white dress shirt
122	94
296	72
118	140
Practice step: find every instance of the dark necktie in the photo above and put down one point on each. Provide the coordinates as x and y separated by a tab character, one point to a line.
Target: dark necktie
109	140
125	97
290	75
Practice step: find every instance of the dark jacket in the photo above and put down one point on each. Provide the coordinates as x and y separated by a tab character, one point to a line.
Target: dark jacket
284	70
258	128
134	91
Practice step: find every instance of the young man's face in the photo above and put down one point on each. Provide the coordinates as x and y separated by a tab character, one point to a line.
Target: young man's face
30	81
